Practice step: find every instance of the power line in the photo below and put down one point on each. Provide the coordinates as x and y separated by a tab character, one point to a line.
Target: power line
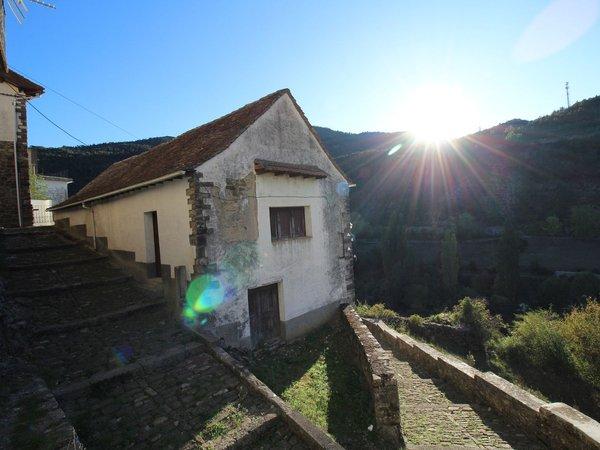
84	108
46	117
54	123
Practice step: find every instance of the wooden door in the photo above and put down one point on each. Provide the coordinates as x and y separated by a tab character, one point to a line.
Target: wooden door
263	304
157	264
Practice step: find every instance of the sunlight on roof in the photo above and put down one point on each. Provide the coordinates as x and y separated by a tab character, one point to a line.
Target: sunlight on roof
439	112
556	27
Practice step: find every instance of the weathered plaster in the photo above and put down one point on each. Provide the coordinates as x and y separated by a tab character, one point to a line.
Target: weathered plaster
311	272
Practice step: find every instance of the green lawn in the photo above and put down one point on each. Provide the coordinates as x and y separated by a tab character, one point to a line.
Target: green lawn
314	377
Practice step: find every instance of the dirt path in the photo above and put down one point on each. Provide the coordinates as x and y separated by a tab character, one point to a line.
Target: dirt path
433	412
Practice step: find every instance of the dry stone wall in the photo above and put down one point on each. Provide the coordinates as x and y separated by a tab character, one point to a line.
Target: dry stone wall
373	362
556	424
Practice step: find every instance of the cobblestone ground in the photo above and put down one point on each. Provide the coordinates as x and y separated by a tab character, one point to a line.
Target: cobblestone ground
433	412
137	380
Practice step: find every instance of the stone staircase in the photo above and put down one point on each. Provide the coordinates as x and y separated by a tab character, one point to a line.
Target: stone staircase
119	364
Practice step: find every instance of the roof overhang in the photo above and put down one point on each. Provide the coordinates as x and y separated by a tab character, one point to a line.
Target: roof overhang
27	87
293	170
171	176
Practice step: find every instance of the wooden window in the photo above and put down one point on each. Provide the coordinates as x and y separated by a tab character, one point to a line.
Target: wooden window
287	223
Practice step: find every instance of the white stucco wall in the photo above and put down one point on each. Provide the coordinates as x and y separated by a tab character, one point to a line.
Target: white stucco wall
121	221
7	113
309	270
57	190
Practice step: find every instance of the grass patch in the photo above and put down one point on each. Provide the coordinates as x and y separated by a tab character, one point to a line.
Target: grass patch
315	378
222	422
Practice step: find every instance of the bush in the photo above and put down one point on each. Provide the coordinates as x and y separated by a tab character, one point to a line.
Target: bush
376	311
585	221
536	342
415	321
553	291
581	329
552	226
583	286
475	315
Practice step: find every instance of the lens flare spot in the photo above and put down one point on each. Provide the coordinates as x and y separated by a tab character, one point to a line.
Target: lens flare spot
204	295
343	189
123	354
394	149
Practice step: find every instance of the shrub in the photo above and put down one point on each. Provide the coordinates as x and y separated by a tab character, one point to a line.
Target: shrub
415	321
376	311
443	318
475	315
581	329
553	291
584	285
585	221
536	342
552	226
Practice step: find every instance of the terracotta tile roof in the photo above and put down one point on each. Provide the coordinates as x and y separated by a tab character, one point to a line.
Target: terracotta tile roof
26	86
183	153
280	168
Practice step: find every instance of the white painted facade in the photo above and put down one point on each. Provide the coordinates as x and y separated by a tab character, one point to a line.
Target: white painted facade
311	271
56	188
121	221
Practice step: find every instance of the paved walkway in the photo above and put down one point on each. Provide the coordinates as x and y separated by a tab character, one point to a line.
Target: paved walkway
137	378
434	413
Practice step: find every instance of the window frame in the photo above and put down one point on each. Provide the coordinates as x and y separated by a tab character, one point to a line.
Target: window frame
287	222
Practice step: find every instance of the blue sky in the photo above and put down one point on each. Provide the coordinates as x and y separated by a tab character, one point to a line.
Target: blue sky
156	70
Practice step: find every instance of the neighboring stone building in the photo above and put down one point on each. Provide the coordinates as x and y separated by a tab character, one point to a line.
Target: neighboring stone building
253	207
15	90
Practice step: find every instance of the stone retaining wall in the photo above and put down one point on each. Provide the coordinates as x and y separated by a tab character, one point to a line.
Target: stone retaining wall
556	424
374	364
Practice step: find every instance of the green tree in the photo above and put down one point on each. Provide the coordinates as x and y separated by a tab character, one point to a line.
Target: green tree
585	221
552	226
449	261
38	190
507	264
393	245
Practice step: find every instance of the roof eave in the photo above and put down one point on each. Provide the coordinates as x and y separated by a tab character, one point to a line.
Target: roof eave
145	184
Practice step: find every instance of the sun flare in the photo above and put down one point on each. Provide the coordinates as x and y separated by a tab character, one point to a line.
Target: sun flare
439	112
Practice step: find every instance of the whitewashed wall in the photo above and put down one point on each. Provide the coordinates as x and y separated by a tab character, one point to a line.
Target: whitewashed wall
121	221
309	270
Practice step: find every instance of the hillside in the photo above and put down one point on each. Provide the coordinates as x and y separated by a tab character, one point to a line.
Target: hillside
83	163
522	170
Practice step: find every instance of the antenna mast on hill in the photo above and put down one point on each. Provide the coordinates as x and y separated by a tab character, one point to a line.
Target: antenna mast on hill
568	99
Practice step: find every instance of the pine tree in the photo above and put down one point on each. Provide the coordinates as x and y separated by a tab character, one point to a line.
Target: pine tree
449	261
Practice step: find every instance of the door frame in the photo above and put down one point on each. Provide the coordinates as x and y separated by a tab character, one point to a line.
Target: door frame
277	288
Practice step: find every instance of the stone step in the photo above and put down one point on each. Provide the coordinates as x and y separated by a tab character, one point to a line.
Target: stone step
46	265
101	318
41	248
67	286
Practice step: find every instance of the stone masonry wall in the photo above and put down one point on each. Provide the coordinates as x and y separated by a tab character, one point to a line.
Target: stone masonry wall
373	362
556	424
198	200
8	213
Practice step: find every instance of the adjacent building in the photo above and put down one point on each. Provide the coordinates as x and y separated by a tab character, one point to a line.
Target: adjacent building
15	90
250	206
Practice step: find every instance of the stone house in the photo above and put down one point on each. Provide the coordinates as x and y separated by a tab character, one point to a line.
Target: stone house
15	90
250	206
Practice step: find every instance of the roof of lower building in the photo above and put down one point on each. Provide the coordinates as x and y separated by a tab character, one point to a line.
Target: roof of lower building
26	86
184	153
